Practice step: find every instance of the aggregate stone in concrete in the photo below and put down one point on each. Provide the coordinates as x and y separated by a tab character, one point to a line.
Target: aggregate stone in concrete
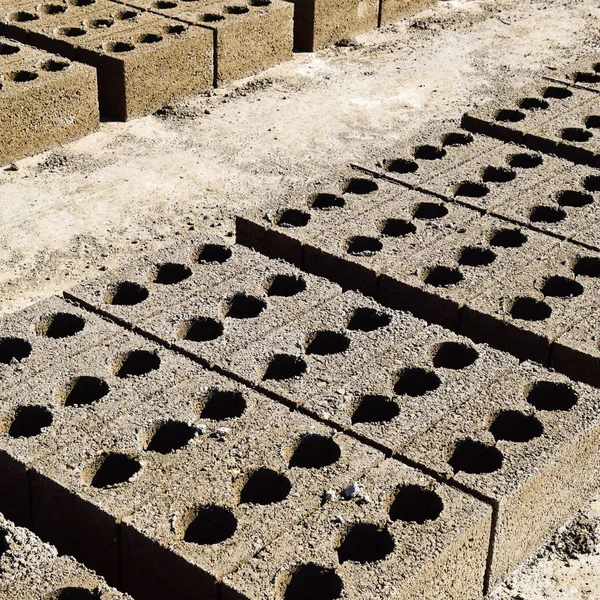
526	314
404	536
249	36
526	444
438	282
320	206
356	251
31	569
81	493
405	391
197	532
307	358
44	101
533	115
40	336
216	324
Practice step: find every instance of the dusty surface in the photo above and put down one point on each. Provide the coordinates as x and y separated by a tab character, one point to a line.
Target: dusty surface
72	213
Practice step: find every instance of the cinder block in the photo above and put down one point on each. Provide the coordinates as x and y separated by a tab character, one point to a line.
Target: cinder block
528	445
307	358
526	314
536	117
32	570
437	283
143	60
249	35
215	324
287	223
37	338
356	251
410	387
187	539
405	536
44	101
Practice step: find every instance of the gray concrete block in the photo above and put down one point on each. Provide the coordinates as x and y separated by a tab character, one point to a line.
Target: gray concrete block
437	283
527	444
373	546
410	387
525	315
197	532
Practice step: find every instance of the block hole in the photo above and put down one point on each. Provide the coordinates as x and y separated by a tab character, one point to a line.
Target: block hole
127	15
244	306
547	214
170	436
29	421
552	396
13	350
137	363
71	31
558	93
398	228
171	273
415	504
285	366
60	325
236	9
118	47
588	266
592	183
583	77
362	245
100	23
52	9
441	276
561	287
365	543
498	174
524	160
265	486
210	525
165	4
201	329
175	29
401	166
223	404
576	134
324	201
214	253
472	189
125	293
22	17
22	76
312	582
54	66
514	426
324	343
533	104
360	186
474	457
593	122
373	408
454	355
260	2
75	593
149	38
212	17
530	309
286	286
507	115
81	3
457	139
475	256
293	217
314	451
428	152
428	211
85	390
508	238
111	470
7	49
415	381
368	319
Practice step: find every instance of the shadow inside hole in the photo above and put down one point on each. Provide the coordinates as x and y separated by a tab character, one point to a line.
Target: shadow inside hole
368	319
286	286
584	77
525	161
428	152
561	287
498	174
401	166
360	186
530	309
138	363
474	256
398	228
427	211
203	329
315	452
587	266
325	201
475	458
457	139
558	93
573	198
374	408
172	273
126	293
362	245
415	504
592	122
552	396
171	436
592	183
324	343
85	390
265	486
576	134
472	189
214	253
75	593
533	104
243	306
415	381
285	366
454	355
509	116
224	404
30	421
514	426
13	350
292	217
115	469
442	276
61	325
365	543
313	582
211	525
508	238
547	214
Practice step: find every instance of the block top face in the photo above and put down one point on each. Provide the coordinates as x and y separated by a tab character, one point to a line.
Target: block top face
509	432
370	538
253	493
584	73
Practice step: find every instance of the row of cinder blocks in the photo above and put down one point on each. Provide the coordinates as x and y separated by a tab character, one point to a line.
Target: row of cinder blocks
32	570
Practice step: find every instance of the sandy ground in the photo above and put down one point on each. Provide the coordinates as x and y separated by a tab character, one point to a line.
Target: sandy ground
131	188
